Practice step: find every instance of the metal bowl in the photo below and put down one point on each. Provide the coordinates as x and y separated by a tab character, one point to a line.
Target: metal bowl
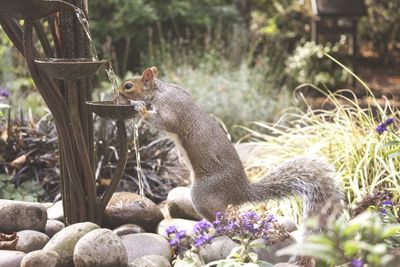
110	110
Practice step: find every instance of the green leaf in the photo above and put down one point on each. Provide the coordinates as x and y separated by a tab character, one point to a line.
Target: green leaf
390	230
351	247
351	229
390	143
316	250
394	154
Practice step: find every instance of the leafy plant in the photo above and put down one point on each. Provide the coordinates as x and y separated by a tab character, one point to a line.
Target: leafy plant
361	241
26	191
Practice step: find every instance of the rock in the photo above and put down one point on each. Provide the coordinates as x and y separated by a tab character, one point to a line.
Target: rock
268	253
139	245
56	212
219	249
179	203
47	205
164	209
53	227
127	207
128	229
288	224
100	248
150	261
19	215
297	235
29	240
40	258
64	241
181	224
10	258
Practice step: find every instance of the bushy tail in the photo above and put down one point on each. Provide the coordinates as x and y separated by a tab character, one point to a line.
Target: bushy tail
311	178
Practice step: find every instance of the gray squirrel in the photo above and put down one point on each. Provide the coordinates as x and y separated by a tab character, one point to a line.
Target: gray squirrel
217	173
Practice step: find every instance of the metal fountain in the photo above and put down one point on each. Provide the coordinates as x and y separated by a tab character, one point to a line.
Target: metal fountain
61	70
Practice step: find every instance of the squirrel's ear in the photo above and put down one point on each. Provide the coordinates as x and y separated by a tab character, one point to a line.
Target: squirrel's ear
147	75
155	71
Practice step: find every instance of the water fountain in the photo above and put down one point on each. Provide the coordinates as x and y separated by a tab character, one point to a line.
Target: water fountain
61	74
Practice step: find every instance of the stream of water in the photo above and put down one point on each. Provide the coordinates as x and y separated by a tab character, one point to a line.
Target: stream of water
136	125
113	80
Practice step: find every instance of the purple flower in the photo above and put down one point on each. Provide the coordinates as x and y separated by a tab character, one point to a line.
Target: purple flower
387	202
201	226
357	263
382	127
171	230
4	93
201	240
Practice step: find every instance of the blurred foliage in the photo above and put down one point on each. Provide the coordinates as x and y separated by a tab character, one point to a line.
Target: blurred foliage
27	191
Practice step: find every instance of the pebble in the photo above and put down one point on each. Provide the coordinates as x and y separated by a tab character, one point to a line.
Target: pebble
129	228
40	258
100	248
127	207
150	261
180	205
19	215
11	258
53	227
63	243
139	245
29	240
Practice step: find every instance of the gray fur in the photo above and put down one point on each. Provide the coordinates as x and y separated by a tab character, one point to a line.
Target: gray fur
219	178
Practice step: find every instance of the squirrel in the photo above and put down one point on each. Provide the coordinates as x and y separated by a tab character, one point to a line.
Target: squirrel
217	173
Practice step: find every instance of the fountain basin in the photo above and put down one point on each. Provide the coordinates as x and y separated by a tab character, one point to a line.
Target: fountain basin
110	110
32	9
70	68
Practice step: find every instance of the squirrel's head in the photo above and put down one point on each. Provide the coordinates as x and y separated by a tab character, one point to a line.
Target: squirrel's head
139	87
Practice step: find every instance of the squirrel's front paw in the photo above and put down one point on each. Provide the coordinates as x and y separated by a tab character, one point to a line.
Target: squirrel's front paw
140	107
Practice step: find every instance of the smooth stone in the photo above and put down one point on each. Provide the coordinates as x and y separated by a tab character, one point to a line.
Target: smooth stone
47	205
11	258
164	209
127	229
297	235
53	227
268	253
56	212
288	224
20	215
181	224
150	261
63	243
127	207
139	245
100	248
285	264
180	205
29	240
218	249
40	258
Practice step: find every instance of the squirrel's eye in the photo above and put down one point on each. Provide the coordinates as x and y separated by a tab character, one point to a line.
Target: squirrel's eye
128	86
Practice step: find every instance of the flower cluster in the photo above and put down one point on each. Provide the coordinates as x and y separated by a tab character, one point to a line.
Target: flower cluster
4	93
242	225
249	225
382	127
179	240
357	263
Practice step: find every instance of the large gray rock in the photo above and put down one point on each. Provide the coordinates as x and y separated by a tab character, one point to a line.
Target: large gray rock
40	258
127	229
139	245
100	248
127	207
53	227
181	224
63	243
56	212
219	249
19	215
180	205
150	261
29	240
10	258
